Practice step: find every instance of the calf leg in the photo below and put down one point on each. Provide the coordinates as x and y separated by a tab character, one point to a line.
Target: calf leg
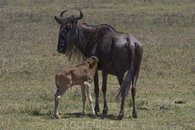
57	97
83	98
88	86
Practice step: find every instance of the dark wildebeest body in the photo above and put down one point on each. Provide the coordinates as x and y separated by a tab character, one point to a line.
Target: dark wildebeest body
117	52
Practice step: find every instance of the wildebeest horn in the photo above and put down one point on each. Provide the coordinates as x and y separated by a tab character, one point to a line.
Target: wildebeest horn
61	14
81	15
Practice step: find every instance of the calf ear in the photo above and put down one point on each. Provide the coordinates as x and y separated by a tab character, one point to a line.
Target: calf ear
85	59
92	64
59	21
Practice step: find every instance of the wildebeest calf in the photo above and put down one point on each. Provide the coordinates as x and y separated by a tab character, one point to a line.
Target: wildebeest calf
80	75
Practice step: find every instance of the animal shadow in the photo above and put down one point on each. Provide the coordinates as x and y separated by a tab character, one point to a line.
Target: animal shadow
80	115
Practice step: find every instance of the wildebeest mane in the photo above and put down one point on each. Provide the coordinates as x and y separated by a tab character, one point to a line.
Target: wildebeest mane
99	32
101	25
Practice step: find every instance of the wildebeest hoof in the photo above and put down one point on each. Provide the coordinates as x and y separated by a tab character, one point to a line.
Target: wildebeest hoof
134	114
96	110
120	117
104	112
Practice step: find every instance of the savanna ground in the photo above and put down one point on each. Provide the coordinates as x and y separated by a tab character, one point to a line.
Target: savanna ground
29	61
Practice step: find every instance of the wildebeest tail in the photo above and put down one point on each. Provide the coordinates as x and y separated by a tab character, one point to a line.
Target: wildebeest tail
124	88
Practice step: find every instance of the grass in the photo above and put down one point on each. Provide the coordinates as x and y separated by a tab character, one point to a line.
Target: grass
29	61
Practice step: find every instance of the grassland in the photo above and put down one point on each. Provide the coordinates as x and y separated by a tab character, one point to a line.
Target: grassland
29	61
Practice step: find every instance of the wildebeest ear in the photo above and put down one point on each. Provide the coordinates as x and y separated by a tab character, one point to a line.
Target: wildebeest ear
59	21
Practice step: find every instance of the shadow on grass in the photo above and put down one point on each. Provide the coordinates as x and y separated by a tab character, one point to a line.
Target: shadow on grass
49	114
80	115
36	112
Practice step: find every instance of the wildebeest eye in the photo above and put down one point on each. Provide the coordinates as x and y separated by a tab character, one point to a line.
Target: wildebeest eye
67	27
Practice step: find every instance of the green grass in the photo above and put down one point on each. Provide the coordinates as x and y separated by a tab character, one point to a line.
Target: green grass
29	61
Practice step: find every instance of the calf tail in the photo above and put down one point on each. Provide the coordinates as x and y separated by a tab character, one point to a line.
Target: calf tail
124	88
57	86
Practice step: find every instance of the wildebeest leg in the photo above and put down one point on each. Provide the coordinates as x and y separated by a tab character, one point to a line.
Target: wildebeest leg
96	83
133	93
137	64
83	98
88	86
57	97
104	87
121	114
120	76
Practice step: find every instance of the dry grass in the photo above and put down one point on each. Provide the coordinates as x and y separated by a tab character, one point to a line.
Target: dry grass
29	61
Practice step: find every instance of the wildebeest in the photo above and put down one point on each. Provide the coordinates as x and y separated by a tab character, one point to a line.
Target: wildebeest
80	75
117	52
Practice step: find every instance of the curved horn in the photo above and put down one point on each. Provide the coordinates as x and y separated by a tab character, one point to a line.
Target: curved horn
81	15
61	14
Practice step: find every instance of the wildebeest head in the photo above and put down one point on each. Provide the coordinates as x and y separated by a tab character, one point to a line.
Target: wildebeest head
68	32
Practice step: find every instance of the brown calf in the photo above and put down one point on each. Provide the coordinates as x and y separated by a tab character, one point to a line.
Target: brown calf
80	75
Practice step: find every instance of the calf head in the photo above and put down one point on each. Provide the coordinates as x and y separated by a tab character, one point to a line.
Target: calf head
93	61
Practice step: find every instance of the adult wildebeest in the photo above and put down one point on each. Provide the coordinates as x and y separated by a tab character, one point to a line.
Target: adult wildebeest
80	75
117	52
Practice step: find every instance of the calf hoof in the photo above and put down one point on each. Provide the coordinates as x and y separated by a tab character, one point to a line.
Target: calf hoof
57	117
95	116
84	114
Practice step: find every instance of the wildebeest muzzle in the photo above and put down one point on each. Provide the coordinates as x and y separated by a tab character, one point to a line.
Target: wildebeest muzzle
62	46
